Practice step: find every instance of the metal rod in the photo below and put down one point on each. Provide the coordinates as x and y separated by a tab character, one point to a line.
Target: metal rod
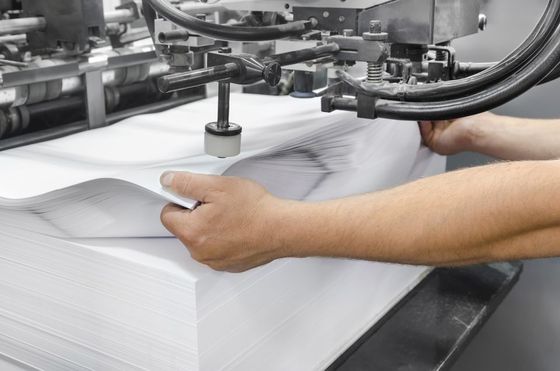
13	38
7	62
31	24
345	104
22	25
192	79
223	104
298	56
198	8
120	16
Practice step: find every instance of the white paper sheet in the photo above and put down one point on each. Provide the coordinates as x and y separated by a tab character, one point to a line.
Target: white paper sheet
72	189
90	280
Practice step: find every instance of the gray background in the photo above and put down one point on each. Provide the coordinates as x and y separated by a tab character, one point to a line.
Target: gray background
524	333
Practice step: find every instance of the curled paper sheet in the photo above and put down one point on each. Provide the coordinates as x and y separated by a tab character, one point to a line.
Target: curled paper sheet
105	183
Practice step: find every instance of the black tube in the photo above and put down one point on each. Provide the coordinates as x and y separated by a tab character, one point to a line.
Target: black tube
538	68
469	68
171	36
459	88
44	108
228	33
553	75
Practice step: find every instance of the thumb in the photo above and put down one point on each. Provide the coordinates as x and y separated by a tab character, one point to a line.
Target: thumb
194	186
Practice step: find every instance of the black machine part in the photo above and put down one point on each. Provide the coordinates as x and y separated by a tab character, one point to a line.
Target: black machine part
536	60
242	69
535	69
458	88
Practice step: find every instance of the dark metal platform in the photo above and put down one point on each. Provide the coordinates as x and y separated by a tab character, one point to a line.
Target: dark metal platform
432	326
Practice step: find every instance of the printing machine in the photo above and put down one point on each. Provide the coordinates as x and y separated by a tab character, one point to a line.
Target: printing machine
70	65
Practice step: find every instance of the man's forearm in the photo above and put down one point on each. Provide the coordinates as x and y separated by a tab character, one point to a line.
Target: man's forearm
493	213
512	138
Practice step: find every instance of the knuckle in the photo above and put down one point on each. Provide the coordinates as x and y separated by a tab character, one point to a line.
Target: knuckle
197	241
183	183
197	255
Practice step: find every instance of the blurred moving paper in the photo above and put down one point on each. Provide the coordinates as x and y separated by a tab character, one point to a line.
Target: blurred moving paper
105	183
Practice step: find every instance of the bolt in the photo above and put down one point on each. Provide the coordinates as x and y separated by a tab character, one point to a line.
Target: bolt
375	69
374	26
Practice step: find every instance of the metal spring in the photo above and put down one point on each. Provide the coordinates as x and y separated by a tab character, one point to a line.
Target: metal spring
375	73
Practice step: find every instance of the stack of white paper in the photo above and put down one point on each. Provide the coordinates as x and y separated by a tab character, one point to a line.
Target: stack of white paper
89	279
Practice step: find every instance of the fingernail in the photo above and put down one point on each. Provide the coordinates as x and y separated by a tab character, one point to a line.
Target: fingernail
166	179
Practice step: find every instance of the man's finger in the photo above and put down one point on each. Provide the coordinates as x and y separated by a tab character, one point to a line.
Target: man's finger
193	186
173	218
426	128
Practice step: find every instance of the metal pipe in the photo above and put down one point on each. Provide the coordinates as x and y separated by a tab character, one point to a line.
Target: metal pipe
31	24
120	16
194	8
22	25
13	38
192	79
7	62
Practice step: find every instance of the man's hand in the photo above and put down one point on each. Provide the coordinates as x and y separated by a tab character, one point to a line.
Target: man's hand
454	136
234	227
503	137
